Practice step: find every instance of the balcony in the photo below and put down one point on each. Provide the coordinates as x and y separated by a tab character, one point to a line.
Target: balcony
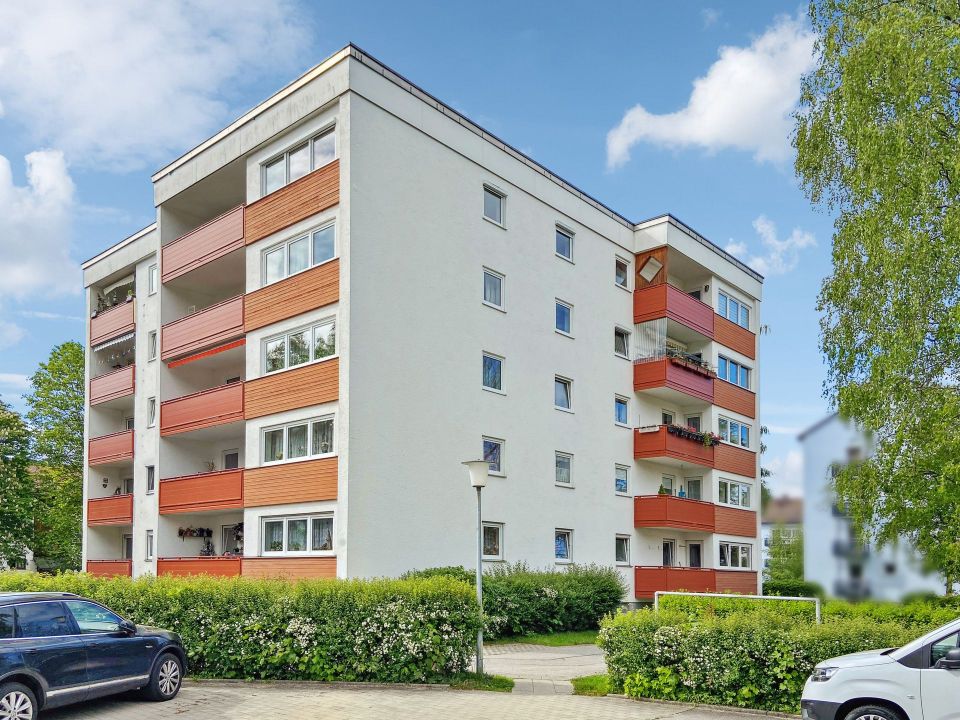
109	568
667	511
665	301
214	566
672	444
290	568
737	460
208	408
112	386
733	397
205	329
735	337
297	201
112	323
648	580
291	482
112	510
209	242
674	378
221	490
116	447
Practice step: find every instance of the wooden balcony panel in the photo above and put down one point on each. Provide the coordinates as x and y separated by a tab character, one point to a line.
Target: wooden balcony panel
734	521
301	387
216	406
664	300
112	510
207	243
112	323
113	385
213	566
109	568
667	511
732	459
221	490
211	326
733	336
311	194
733	397
295	295
666	373
741	582
292	482
290	568
648	580
660	443
110	448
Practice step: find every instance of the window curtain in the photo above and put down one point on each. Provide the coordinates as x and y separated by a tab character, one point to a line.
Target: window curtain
297	441
322	534
296	535
273	536
322	437
562	546
563	469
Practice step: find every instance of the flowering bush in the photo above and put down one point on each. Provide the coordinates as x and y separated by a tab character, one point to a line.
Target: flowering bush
377	630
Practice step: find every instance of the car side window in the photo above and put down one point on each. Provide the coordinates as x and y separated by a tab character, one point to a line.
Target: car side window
6	623
91	618
42	619
942	646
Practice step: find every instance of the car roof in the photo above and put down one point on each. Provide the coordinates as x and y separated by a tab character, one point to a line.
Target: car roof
9	598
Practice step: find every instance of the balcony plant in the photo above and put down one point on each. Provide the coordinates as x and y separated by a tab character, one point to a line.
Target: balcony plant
708	439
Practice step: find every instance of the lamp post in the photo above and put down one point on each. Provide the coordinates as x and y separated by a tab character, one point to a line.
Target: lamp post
478	478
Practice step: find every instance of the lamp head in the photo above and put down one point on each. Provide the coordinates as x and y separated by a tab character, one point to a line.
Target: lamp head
478	472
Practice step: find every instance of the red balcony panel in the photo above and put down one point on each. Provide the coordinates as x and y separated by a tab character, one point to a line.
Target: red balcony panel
217	406
221	490
109	568
733	397
735	337
211	326
664	300
737	460
210	241
113	385
112	323
110	448
741	582
667	511
674	373
734	521
662	444
215	566
648	580
112	510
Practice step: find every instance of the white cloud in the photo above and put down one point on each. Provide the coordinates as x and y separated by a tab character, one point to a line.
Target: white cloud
786	473
710	16
14	380
10	334
779	256
118	85
743	102
43	315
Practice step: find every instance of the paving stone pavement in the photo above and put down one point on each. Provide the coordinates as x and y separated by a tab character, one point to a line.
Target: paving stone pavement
541	670
258	701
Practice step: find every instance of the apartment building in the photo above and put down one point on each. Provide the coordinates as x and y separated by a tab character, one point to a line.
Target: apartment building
351	290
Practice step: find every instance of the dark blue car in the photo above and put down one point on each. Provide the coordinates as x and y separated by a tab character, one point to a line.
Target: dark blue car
58	648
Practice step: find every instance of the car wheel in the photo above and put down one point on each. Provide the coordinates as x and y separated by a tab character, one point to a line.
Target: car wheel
17	702
872	712
166	678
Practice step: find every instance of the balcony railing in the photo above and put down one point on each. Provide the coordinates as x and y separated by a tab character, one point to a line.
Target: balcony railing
675	373
207	328
672	441
112	510
221	490
217	406
667	511
112	323
109	568
216	566
648	580
664	300
733	397
115	447
207	243
113	385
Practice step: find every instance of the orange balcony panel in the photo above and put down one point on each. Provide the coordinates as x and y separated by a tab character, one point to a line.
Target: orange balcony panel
290	568
741	582
112	323
295	295
304	386
297	201
732	459
733	397
733	521
667	511
735	337
214	566
664	300
673	373
112	510
217	406
109	568
110	448
291	482
648	580
661	444
210	241
211	326
221	490
112	386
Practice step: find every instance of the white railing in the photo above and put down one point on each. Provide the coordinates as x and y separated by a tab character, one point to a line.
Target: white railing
728	596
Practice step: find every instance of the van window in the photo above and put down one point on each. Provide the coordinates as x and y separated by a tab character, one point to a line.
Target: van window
45	619
942	646
6	623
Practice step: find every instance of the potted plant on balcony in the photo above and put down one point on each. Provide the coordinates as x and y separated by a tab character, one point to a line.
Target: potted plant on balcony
663	491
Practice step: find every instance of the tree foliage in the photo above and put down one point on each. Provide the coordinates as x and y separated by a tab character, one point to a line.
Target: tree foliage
785	554
878	144
17	497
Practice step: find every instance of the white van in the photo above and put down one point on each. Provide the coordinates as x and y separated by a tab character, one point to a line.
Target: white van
920	681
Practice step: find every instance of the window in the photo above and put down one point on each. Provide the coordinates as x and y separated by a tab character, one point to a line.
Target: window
492	372
563	469
300	346
152	345
620	414
938	650
298	254
42	619
128	486
621	479
153	279
493	289
298	161
297	534
562	399
6	623
621	273
563	317
149	545
621	342
92	618
735	555
128	423
231	459
493	205
694	488
732	371
493	454
562	549
151	479
127	547
734	432
622	549
492	541
297	440
666	484
733	310
666	417
564	245
734	493
151	412
693	422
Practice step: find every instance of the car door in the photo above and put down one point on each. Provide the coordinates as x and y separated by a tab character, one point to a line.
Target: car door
940	688
113	655
50	646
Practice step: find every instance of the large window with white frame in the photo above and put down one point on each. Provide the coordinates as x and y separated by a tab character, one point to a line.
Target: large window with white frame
298	440
735	555
733	372
299	253
736	311
299	160
301	346
734	432
297	534
731	492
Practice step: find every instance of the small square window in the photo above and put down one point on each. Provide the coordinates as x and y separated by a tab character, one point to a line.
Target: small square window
621	272
666	417
493	289
562	393
492	541
151	412
620	414
493	454
493	205
151	479
562	549
621	479
564	244
622	550
152	345
563	321
621	342
563	469
153	279
492	372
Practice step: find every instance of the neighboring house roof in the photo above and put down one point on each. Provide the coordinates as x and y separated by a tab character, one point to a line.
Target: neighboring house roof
784	511
817	425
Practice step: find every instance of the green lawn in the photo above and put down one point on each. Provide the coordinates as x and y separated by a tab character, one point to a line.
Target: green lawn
597	685
572	637
472	681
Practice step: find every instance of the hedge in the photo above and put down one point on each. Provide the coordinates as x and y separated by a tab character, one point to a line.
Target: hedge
378	630
520	601
793	588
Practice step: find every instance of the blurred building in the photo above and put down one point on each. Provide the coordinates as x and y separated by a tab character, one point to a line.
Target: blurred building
783	513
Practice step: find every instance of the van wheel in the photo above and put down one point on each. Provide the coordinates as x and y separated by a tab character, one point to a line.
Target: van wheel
17	702
872	712
165	680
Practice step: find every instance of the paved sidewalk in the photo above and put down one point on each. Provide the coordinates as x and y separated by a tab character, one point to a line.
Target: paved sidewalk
542	670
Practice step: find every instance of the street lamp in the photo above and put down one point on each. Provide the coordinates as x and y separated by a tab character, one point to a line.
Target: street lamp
478	478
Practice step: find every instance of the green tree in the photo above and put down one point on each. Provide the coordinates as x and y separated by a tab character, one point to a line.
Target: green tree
785	554
877	144
17	497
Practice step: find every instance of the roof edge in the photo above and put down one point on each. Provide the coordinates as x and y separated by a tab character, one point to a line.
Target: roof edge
117	246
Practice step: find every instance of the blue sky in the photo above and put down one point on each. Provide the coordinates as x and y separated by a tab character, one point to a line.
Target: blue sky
99	95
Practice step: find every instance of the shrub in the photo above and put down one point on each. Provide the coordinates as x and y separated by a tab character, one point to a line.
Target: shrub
457	572
694	607
793	588
378	630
